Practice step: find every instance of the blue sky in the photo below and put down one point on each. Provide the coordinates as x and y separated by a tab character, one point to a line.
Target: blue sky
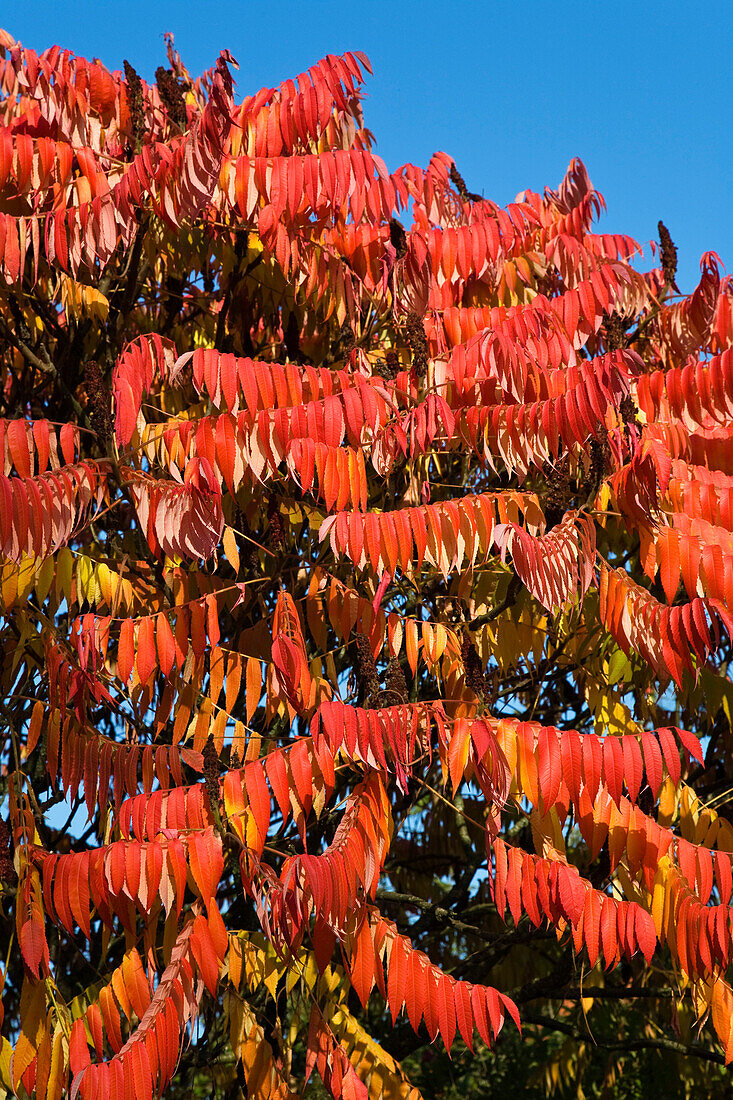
513	91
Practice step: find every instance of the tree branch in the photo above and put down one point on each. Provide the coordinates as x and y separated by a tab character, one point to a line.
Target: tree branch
687	1049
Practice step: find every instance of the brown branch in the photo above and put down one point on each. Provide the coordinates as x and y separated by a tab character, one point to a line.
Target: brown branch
498	609
439	913
613	993
42	362
691	1049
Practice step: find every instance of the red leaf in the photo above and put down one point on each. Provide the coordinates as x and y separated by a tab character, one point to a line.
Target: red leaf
362	962
206	861
205	954
146	654
691	743
126	650
644	932
165	643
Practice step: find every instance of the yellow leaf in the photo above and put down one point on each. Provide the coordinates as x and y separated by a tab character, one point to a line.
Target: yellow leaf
722	1014
86	580
64	570
254	686
32	1028
44	579
59	1054
547	834
26	576
667	803
5	1056
230	549
310	971
9	584
80	300
659	894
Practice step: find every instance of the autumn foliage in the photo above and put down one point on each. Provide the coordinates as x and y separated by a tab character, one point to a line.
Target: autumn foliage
365	590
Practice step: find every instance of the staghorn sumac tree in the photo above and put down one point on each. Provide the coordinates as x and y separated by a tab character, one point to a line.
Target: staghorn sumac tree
366	599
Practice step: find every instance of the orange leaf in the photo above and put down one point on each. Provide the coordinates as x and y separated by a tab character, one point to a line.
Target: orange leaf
126	650
361	966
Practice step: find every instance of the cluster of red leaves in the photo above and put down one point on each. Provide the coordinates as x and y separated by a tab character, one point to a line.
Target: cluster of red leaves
506	315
